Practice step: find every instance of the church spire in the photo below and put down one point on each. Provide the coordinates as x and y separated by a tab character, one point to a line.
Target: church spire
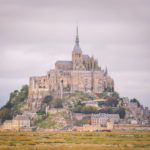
77	35
77	47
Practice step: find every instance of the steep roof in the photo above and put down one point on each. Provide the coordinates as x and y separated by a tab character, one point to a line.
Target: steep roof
103	115
77	46
85	56
61	62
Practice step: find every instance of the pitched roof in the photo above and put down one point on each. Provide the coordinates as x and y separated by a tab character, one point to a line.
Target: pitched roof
63	62
85	56
103	115
77	48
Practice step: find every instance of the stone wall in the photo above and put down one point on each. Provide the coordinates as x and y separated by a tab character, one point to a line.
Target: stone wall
64	66
56	81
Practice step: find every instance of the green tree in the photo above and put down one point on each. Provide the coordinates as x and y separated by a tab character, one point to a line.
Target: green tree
109	110
121	112
89	109
112	101
104	95
101	103
108	89
134	100
24	91
115	94
47	99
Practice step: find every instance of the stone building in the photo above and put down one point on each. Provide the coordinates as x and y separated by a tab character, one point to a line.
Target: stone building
19	122
102	119
82	73
88	127
137	114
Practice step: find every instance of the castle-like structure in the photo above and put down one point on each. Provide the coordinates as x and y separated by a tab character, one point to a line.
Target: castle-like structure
82	73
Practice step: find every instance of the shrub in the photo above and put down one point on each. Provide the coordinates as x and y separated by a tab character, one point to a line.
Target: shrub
40	112
85	109
16	101
47	99
134	100
104	95
108	89
101	103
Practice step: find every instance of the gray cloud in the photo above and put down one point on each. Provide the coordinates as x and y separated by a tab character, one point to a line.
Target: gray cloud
35	33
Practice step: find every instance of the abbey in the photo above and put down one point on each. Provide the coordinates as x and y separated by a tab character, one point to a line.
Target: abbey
82	73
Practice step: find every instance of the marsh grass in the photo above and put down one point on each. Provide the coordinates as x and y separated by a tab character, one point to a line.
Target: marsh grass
128	140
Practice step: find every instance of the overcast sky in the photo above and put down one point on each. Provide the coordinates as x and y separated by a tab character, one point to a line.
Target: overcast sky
36	33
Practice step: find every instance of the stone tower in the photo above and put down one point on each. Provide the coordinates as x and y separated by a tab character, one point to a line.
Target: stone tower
77	59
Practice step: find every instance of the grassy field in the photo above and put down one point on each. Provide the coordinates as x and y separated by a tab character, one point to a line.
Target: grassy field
130	140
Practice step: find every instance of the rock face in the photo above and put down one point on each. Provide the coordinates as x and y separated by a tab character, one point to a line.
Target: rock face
82	73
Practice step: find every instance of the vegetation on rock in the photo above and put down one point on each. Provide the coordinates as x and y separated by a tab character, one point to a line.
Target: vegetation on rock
85	109
85	120
45	121
134	100
48	99
16	101
111	103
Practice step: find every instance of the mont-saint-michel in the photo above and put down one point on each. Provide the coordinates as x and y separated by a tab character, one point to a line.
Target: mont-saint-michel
77	98
78	95
74	75
82	73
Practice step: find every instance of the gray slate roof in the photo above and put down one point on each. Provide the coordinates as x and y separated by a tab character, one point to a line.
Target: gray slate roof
64	62
85	56
77	48
103	115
